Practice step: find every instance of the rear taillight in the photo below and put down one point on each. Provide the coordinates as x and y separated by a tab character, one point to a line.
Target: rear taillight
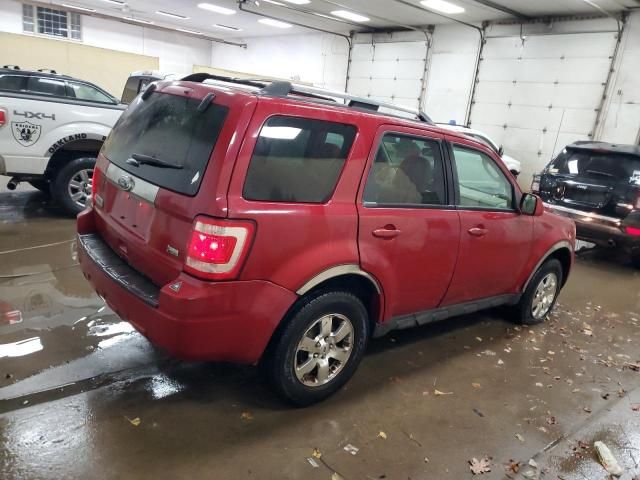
95	187
632	231
217	248
3	117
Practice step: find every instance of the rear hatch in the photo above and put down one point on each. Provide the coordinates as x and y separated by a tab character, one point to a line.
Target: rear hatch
158	169
597	181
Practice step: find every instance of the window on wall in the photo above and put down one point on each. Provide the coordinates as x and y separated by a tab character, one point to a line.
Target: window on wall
51	21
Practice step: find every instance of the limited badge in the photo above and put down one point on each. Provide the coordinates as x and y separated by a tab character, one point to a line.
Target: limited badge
26	133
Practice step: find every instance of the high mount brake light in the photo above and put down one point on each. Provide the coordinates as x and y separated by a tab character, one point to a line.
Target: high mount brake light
217	248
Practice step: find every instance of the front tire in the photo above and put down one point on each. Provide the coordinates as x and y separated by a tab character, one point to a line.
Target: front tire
319	348
71	186
541	294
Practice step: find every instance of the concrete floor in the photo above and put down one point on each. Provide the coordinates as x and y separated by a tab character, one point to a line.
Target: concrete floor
75	380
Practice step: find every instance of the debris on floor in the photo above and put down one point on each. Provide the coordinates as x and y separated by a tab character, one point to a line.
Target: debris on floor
607	459
481	466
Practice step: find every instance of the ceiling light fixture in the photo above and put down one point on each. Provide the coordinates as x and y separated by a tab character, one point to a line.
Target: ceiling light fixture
442	6
274	23
115	2
215	8
227	27
347	15
298	2
186	30
75	7
139	20
172	15
273	2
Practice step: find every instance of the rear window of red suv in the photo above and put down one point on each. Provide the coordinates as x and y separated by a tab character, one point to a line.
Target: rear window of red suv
166	140
298	160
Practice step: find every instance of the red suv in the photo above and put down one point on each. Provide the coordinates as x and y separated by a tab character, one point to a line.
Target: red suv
275	225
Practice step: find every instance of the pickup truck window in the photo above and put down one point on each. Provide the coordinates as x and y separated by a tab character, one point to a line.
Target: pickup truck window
12	83
46	86
88	93
481	183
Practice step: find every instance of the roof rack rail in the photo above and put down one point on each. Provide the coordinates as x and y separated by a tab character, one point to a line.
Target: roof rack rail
47	70
12	67
279	88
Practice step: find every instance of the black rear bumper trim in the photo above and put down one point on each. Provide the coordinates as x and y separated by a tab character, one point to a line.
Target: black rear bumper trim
114	267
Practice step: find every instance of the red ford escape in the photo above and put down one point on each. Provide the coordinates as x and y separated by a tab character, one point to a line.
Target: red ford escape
275	225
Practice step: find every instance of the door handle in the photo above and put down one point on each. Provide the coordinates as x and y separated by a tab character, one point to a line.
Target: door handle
386	232
478	231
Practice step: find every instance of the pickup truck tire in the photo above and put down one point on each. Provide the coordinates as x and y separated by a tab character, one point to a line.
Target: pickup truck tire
318	347
541	294
71	187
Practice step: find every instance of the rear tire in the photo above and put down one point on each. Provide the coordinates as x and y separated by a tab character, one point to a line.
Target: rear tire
71	187
541	294
319	348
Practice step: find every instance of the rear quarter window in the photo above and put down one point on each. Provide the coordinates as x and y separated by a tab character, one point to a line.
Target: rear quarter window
297	160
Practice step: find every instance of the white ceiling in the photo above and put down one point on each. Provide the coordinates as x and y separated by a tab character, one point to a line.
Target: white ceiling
382	13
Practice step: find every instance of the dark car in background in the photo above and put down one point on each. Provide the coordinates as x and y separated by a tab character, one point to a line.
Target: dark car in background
597	184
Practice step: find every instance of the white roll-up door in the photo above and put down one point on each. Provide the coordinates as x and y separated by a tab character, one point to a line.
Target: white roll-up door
388	71
536	95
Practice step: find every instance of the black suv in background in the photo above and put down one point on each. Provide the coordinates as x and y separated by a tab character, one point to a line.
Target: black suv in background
597	184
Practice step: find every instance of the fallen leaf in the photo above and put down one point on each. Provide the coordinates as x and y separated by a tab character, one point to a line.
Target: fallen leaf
316	453
551	420
476	385
519	437
382	435
246	416
538	384
313	462
480	466
336	476
635	407
134	421
438	393
500	362
513	466
533	463
587	409
479	339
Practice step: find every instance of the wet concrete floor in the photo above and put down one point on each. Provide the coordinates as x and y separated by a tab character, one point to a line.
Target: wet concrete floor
83	396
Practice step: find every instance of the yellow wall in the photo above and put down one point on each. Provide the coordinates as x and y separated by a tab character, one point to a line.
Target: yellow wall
108	69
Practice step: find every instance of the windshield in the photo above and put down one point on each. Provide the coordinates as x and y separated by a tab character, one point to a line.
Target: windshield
600	165
166	140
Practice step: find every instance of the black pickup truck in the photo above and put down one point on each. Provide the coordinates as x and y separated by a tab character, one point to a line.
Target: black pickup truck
597	184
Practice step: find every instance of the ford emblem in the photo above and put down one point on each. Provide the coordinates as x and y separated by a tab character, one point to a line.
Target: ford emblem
126	183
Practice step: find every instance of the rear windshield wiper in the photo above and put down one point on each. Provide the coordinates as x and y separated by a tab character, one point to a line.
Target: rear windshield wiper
604	174
138	159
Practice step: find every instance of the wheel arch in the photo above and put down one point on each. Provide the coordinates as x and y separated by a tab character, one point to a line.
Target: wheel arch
71	150
353	279
560	251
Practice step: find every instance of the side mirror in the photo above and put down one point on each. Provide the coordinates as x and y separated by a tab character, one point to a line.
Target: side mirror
531	205
501	150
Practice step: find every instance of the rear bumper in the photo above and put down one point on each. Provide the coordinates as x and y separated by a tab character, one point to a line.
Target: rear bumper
599	229
229	321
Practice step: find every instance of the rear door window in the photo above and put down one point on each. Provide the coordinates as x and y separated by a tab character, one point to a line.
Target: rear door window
47	86
598	165
12	83
297	160
168	139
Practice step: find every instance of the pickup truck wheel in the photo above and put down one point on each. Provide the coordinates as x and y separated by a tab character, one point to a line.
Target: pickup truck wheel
72	184
319	348
540	296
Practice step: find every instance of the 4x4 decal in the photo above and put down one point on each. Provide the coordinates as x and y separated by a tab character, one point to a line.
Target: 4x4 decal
37	115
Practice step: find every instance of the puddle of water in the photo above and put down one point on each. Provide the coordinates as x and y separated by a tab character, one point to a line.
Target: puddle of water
21	348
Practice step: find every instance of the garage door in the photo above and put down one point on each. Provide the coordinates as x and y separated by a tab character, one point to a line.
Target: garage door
536	95
389	72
